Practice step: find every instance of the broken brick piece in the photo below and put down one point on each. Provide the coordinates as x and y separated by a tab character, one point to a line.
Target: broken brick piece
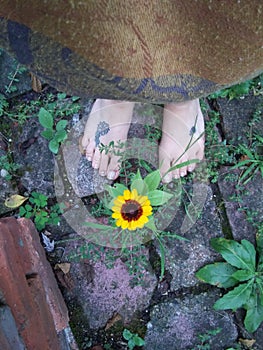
28	285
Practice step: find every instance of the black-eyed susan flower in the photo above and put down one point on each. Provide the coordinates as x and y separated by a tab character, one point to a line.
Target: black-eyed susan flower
131	210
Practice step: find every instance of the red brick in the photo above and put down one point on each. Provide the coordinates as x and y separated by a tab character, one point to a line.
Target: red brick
28	285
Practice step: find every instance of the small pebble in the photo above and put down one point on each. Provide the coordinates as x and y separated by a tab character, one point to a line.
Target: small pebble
4	173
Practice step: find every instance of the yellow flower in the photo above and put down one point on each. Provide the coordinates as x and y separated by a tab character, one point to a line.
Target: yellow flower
131	210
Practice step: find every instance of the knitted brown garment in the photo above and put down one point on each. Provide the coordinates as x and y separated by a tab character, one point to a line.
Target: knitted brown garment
142	50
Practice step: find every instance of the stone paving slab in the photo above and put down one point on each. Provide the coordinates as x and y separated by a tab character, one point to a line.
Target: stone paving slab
176	325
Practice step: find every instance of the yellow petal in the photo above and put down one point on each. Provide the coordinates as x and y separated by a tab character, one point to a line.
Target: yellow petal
134	194
15	201
116	215
119	199
124	224
142	199
117	209
126	195
147	210
119	222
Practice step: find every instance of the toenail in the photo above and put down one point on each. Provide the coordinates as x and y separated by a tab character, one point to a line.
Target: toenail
89	159
111	175
102	173
182	173
95	166
166	179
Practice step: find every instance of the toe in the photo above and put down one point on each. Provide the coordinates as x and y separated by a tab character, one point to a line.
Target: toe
90	148
113	168
165	165
96	159
104	160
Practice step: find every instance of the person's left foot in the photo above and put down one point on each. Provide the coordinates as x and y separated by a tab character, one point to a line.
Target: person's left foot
182	138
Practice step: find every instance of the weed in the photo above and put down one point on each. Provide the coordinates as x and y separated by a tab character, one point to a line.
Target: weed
13	78
205	339
251	159
133	339
39	212
240	90
55	134
243	270
3	105
217	152
8	167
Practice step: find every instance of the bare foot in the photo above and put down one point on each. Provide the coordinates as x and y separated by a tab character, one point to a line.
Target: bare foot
182	138
108	121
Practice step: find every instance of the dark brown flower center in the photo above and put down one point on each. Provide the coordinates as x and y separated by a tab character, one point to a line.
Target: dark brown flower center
131	210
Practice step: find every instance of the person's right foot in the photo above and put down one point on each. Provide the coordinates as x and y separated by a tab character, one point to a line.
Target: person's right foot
108	121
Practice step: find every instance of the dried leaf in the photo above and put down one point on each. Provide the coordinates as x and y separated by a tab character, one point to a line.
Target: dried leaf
112	321
36	83
65	267
247	342
15	201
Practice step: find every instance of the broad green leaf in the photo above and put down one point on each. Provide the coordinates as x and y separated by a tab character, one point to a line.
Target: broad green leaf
53	145
116	190
152	180
218	274
236	298
137	176
60	135
127	335
239	255
45	118
158	197
151	224
61	124
140	186
243	275
254	315
47	134
131	344
138	340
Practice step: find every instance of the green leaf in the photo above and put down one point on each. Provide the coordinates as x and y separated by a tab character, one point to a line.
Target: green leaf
152	180
98	226
60	135
254	315
61	124
53	146
140	186
138	340
137	176
45	118
131	344
22	211
158	197
116	190
151	224
61	95
236	298
127	335
239	255
47	134
243	275
218	274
